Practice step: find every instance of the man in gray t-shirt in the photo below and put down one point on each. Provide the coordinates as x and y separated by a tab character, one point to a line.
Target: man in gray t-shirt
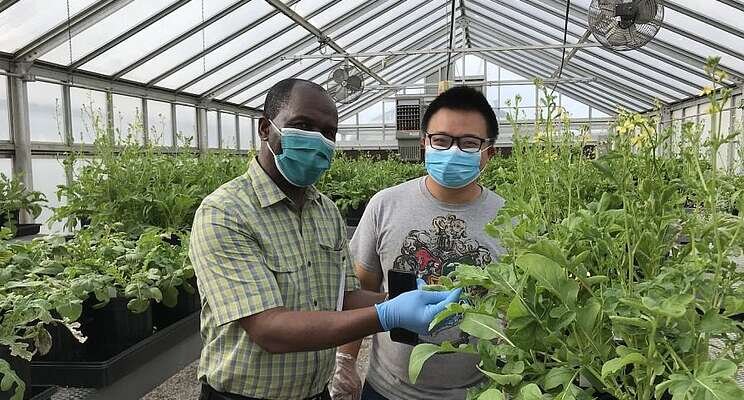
427	226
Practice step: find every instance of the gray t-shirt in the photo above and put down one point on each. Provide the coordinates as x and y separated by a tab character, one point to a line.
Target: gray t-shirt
405	228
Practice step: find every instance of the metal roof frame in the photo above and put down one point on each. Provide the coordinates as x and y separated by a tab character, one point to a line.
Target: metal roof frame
68	29
340	35
237	79
554	59
374	67
126	35
611	80
160	50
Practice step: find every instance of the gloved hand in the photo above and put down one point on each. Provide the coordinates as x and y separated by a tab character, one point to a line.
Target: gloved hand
414	310
346	384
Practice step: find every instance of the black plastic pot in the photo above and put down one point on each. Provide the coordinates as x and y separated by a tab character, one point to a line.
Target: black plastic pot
164	316
27	229
15	216
114	328
354	215
105	372
21	367
64	346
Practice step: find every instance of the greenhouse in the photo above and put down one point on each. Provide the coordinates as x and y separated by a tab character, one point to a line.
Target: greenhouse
381	199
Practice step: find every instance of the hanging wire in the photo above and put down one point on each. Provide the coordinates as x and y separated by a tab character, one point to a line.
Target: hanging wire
451	36
563	56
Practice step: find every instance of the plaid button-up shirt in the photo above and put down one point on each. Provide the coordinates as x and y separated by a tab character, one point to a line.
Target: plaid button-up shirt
253	251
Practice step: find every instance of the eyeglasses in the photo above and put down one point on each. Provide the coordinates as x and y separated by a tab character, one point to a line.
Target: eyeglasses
468	143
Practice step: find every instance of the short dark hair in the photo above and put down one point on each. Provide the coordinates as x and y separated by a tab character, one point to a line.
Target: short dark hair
279	94
463	98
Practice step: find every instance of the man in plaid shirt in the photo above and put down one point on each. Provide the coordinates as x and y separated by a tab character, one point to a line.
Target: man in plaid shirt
270	253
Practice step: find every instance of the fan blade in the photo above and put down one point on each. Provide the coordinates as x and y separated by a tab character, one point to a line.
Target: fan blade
354	83
340	75
645	11
341	93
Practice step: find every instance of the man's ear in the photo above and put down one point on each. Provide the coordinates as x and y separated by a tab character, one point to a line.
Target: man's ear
264	128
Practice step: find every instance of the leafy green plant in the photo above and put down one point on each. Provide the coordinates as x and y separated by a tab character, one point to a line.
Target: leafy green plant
596	294
14	197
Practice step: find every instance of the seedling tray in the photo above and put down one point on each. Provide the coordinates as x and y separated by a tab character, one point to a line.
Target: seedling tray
104	373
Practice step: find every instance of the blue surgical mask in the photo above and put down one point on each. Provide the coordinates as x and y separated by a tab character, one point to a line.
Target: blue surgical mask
305	155
452	168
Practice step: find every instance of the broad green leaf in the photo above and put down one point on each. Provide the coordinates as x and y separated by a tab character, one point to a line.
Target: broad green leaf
452	309
482	326
502	379
715	324
491	394
419	355
673	307
588	315
551	276
71	310
156	294
170	296
530	392
515	367
559	376
614	365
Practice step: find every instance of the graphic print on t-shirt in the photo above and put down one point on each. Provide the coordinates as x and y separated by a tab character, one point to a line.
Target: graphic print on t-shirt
436	252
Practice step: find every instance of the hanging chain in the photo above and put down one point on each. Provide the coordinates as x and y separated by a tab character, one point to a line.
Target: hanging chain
204	41
69	31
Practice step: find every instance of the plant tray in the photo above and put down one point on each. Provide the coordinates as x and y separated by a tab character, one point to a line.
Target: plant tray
104	373
42	392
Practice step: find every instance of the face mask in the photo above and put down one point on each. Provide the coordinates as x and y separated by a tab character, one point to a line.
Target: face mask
452	168
305	155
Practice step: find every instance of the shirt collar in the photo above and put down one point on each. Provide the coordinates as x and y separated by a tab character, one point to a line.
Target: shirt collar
266	189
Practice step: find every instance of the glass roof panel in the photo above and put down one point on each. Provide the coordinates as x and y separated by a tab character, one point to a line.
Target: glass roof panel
105	30
194	44
27	20
396	14
156	35
249	59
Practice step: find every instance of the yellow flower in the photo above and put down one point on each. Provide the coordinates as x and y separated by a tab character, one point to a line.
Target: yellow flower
707	90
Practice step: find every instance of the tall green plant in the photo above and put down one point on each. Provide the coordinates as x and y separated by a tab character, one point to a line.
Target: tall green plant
597	290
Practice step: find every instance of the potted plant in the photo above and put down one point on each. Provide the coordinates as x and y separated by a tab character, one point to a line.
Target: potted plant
14	197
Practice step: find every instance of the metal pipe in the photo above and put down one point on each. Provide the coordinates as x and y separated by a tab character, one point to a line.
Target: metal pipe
459	50
520	82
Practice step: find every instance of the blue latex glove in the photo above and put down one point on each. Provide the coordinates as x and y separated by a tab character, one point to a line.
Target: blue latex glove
414	310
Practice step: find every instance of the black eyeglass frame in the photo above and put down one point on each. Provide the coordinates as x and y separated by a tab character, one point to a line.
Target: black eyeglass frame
456	139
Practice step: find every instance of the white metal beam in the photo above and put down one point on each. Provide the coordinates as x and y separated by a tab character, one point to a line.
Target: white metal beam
62	32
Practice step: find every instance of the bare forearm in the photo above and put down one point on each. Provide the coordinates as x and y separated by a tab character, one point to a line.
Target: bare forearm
294	331
362	298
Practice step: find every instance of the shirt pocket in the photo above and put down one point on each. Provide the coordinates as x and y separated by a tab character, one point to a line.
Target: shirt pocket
331	266
290	270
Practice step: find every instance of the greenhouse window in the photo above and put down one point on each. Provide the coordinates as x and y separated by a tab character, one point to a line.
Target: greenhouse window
4	111
213	130
128	118
159	123
45	112
228	137
246	132
186	125
89	113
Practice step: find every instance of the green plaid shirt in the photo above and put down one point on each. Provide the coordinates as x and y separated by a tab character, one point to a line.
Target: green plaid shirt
252	251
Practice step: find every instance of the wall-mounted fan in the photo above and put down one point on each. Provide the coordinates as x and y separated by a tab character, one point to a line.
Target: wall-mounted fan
345	84
625	24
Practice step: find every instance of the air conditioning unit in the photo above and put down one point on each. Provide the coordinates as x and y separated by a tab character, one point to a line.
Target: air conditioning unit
408	113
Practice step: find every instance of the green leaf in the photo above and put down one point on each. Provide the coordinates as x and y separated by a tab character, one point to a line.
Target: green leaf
156	294
419	355
491	394
71	310
530	392
551	276
559	376
614	365
502	379
588	315
674	306
170	297
482	326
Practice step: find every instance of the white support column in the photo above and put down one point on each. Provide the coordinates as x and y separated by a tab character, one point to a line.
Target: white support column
174	126
21	134
201	130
